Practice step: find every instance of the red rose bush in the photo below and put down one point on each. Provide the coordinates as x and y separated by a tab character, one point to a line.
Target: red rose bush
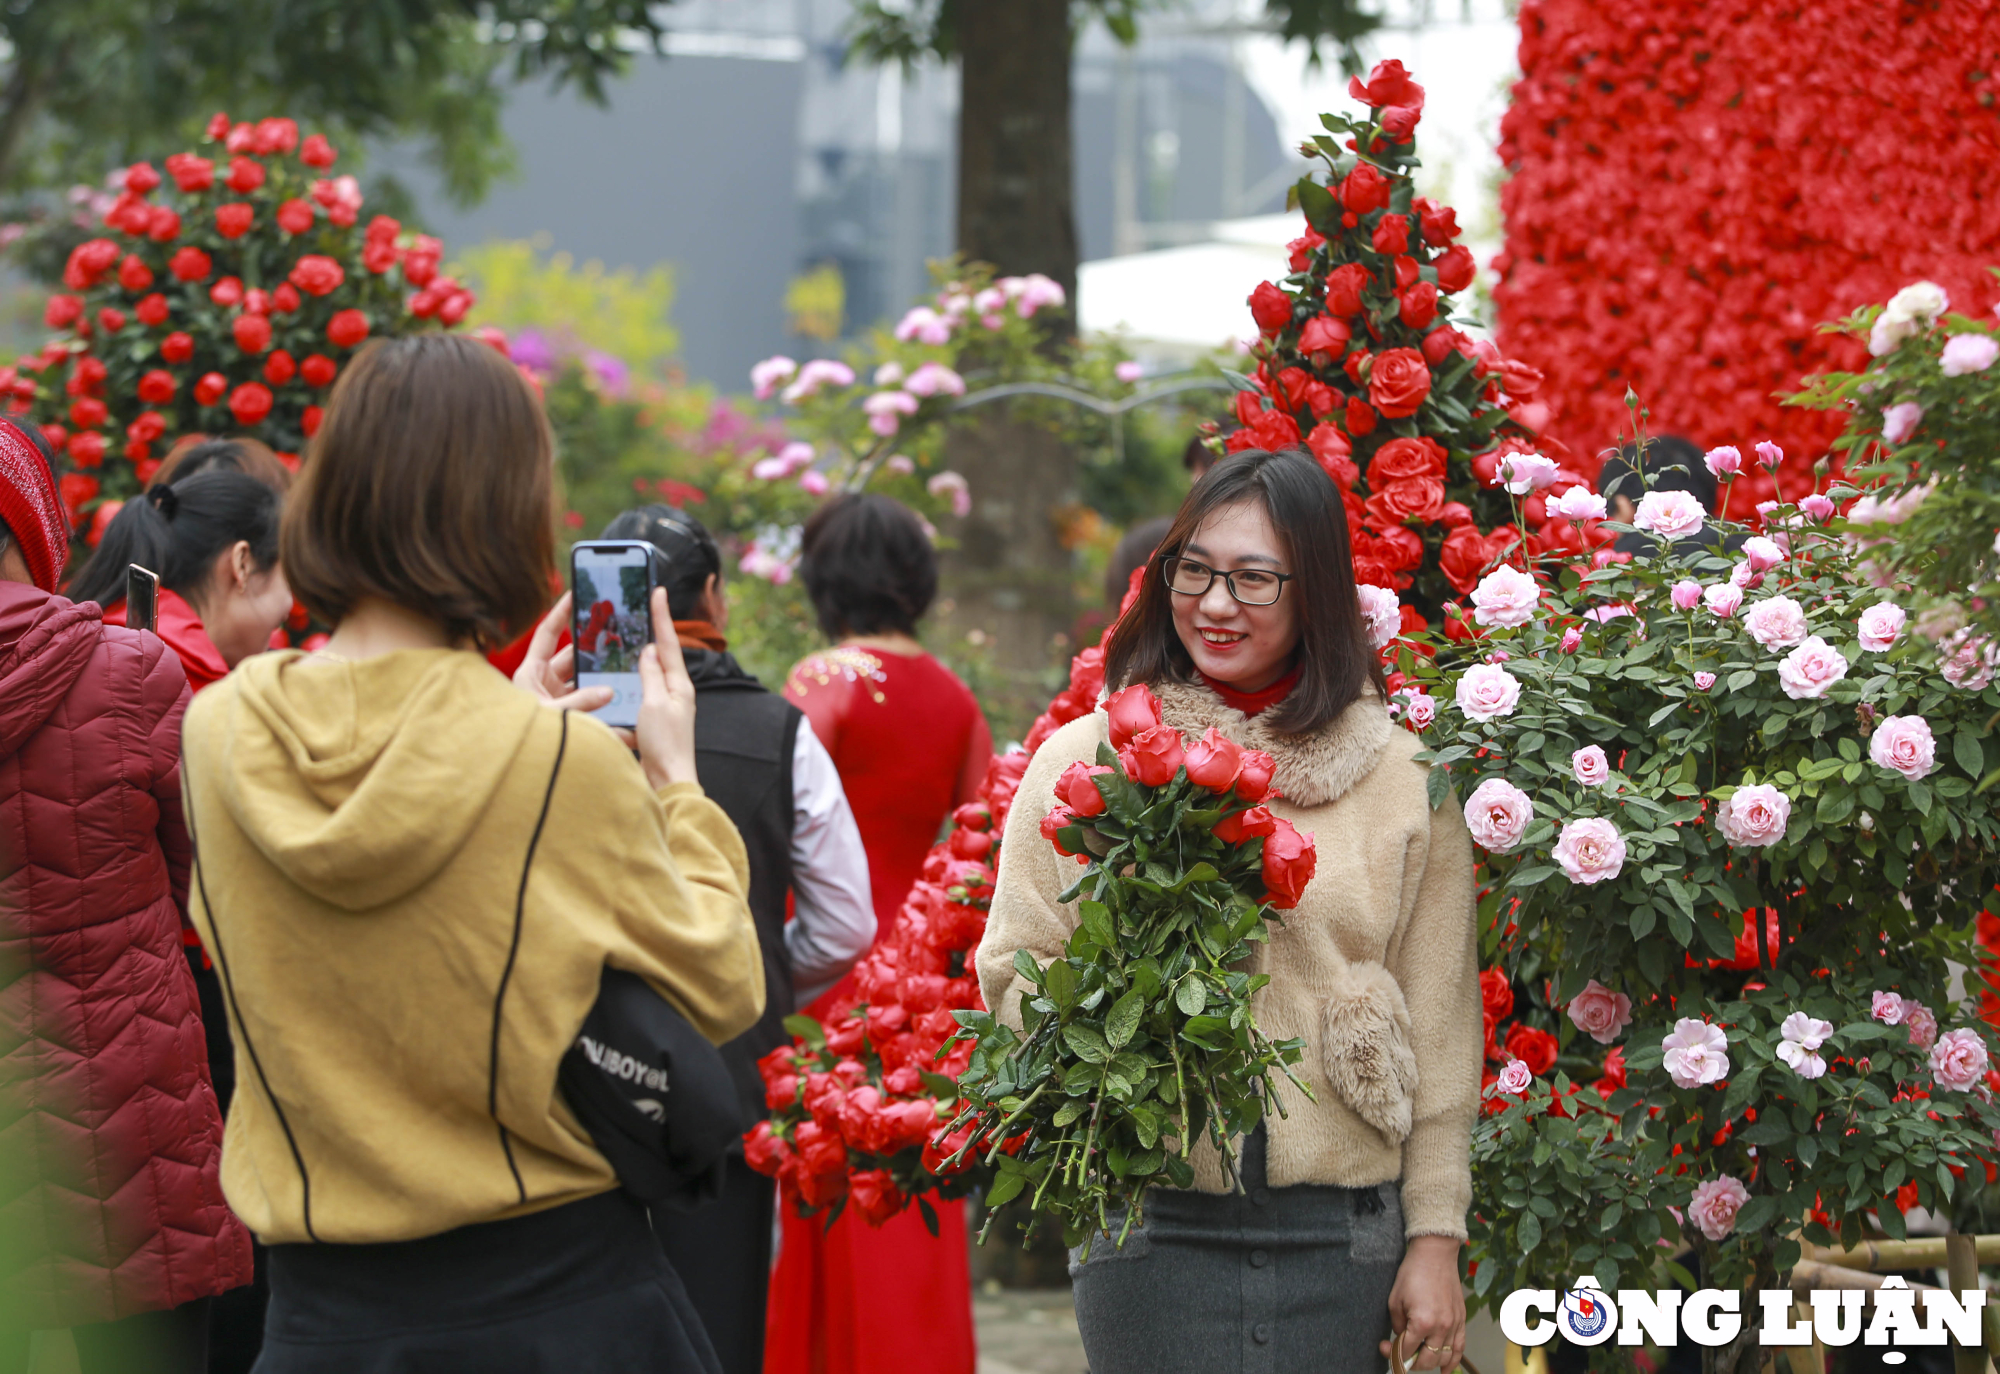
1138	1041
222	297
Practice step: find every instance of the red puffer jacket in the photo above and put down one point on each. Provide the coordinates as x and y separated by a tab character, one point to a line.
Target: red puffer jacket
110	1140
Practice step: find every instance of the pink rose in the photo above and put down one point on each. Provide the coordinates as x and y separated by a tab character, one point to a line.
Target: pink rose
1889	1008
1776	622
1881	625
1905	744
1965	353
1818	506
1154	756
1572	637
1801	1036
1715	1205
1754	816
1601	1013
1497	813
1590	850
1526	472
1420	708
1922	1024
1703	681
1589	766
1900	421
1958	1060
1722	599
1968	661
1213	761
1487	691
1695	1053
1762	554
1670	514
1809	670
1516	1078
1381	612
1289	861
1686	594
1578	504
1769	454
1505	598
1745	576
1724	461
767	376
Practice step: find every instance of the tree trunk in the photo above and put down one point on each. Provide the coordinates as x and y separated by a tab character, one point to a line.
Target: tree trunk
1009	579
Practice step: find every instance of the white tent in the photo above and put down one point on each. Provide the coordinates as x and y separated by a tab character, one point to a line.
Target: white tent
1178	303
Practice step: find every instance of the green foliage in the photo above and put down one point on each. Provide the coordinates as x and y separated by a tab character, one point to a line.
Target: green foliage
1875	884
622	313
1139	1039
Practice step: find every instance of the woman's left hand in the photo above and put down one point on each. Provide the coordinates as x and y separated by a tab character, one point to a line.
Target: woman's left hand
1427	1305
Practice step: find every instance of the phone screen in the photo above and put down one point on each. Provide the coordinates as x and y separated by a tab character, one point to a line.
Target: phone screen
142	598
611	623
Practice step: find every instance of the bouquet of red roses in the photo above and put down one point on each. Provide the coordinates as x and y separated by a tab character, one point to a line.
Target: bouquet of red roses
1139	1038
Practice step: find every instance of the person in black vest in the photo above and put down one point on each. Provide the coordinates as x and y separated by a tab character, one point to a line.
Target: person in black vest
769	773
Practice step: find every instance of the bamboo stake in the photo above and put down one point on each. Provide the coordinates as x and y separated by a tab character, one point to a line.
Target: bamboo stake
1806	1359
1880	1256
1962	1262
1810	1274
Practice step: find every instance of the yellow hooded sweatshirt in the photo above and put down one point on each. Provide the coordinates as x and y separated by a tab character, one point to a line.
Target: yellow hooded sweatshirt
411	875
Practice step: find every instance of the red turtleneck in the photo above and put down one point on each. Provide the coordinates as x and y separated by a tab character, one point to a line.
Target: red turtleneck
1250	703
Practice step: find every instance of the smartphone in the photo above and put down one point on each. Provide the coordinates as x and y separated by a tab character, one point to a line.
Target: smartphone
611	619
142	598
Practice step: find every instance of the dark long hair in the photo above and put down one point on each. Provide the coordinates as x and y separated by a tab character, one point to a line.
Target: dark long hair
867	565
179	531
1335	662
683	541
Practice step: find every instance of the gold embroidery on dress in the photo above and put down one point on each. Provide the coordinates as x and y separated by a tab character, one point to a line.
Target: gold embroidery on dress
844	662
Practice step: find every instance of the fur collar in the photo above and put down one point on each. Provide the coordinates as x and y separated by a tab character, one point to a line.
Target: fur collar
1314	769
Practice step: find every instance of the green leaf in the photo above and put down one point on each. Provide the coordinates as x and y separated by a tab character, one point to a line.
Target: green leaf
1969	753
806	1028
1005	1189
1025	965
1085	1043
1060	979
1191	996
1096	920
1437	787
1528	1236
1124	1019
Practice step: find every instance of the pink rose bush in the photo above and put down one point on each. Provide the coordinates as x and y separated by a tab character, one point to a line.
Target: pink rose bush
1905	745
1715	1204
1498	813
1695	1053
1754	817
1799	1042
1809	670
1505	597
1670	514
1381	612
1958	1061
1590	850
1589	766
1516	1078
1487	692
1777	622
1880	626
1600	1013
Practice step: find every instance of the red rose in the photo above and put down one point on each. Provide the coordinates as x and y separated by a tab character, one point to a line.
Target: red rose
86	378
250	403
316	275
1388	84
191	173
1399	382
382	229
1419	305
296	216
1400	460
1408	272
1344	285
873	1193
380	255
157	387
821	1150
420	262
347	328
1253	775
1519	379
764	1150
276	136
233	220
1270	430
1440	344
1440	222
1289	860
62	311
56	435
190	264
253	333
164	225
146	427
110	320
177	347
1053	824
317	370
1360	418
86	450
141	179
1256	823
1462	557
1535	1047
218	127
1455	268
152	310
1454	513
1364	190
279	368
78	487
285	299
1154	756
86	412
245	175
317	152
1325	334
1496	994
309	421
87	262
1270	307
1399	122
1131	712
1417	501
1075	790
1333	451
1300	250
1392	235
1404	548
1213	761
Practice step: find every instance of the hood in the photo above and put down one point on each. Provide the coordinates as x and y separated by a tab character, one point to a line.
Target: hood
45	641
360	781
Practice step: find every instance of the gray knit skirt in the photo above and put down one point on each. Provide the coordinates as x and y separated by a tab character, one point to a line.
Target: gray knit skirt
1270	1281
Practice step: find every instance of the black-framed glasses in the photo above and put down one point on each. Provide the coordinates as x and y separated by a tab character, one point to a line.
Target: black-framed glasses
1250	586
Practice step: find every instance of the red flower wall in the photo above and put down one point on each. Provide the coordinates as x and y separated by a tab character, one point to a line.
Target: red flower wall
1698	184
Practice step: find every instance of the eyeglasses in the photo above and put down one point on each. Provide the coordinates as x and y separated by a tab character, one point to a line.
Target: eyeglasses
1250	586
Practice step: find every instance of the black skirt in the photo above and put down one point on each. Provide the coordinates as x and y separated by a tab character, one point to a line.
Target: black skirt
576	1289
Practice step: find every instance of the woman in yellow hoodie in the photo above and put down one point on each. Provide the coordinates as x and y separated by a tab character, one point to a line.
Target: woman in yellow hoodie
411	874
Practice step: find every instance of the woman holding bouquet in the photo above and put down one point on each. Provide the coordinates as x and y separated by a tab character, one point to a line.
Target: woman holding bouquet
1351	1209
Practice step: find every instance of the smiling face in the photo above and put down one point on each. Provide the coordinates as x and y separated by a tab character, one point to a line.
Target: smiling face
1247	647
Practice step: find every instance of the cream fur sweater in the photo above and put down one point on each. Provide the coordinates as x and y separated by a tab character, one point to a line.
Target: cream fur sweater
1376	969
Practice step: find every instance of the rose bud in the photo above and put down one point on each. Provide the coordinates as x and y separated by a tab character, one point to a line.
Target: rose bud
1213	761
1253	777
972	815
1076	791
1289	860
1157	755
1053	825
1253	824
1132	712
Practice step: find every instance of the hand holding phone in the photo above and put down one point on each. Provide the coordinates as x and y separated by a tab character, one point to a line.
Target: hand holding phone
611	620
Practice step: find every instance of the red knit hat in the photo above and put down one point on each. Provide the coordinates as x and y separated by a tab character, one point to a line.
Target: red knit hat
31	505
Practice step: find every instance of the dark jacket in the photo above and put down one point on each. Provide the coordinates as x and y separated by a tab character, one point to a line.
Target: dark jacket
105	1101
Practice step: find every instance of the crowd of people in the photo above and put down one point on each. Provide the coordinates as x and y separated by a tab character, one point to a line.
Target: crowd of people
298	944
